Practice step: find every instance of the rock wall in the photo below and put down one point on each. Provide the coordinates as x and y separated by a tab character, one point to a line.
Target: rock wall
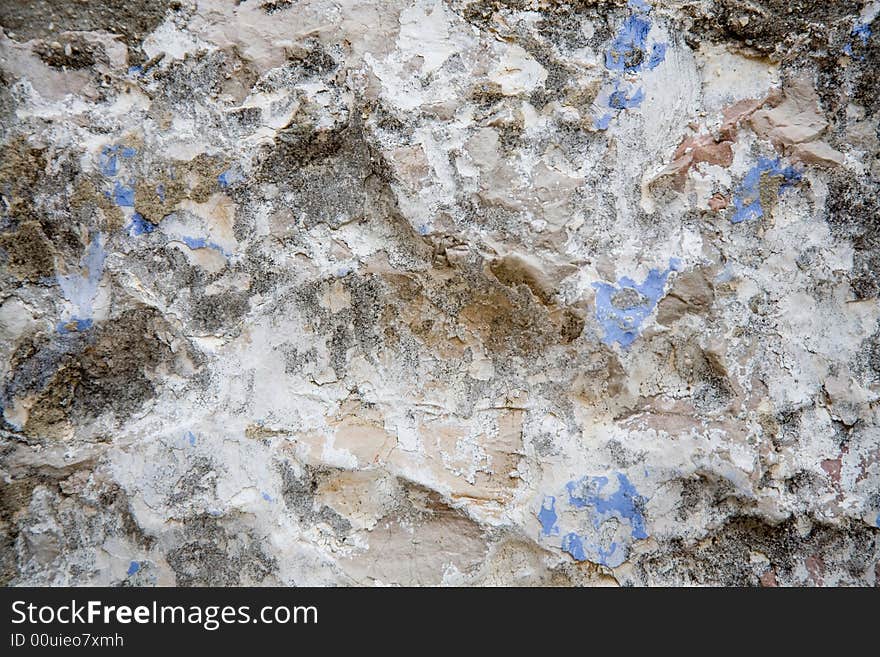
469	292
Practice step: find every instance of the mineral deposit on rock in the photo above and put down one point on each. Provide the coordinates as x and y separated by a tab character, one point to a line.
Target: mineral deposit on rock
425	292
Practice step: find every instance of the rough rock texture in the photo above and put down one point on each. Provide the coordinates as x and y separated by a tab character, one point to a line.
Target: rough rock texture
440	292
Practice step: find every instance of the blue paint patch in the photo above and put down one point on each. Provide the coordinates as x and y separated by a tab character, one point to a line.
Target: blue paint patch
624	503
74	325
610	557
190	438
877	521
202	243
547	516
627	51
229	177
658	55
81	287
863	31
108	161
133	568
139	226
123	195
603	517
574	545
578	547
725	275
747	198
639	5
135	70
603	121
160	192
622	324
629	54
619	99
196	242
267	497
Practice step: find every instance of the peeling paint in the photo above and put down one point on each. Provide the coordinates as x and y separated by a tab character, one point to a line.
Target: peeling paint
628	55
747	198
139	226
80	288
547	516
382	293
622	308
605	516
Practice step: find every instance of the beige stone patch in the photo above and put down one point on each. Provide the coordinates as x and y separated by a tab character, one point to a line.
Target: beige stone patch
477	468
420	548
818	153
210	260
516	71
484	147
218	213
727	75
796	119
411	165
797	122
335	297
363	497
360	430
433	328
691	292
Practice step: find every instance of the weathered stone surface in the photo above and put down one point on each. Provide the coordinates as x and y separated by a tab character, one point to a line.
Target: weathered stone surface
469	292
